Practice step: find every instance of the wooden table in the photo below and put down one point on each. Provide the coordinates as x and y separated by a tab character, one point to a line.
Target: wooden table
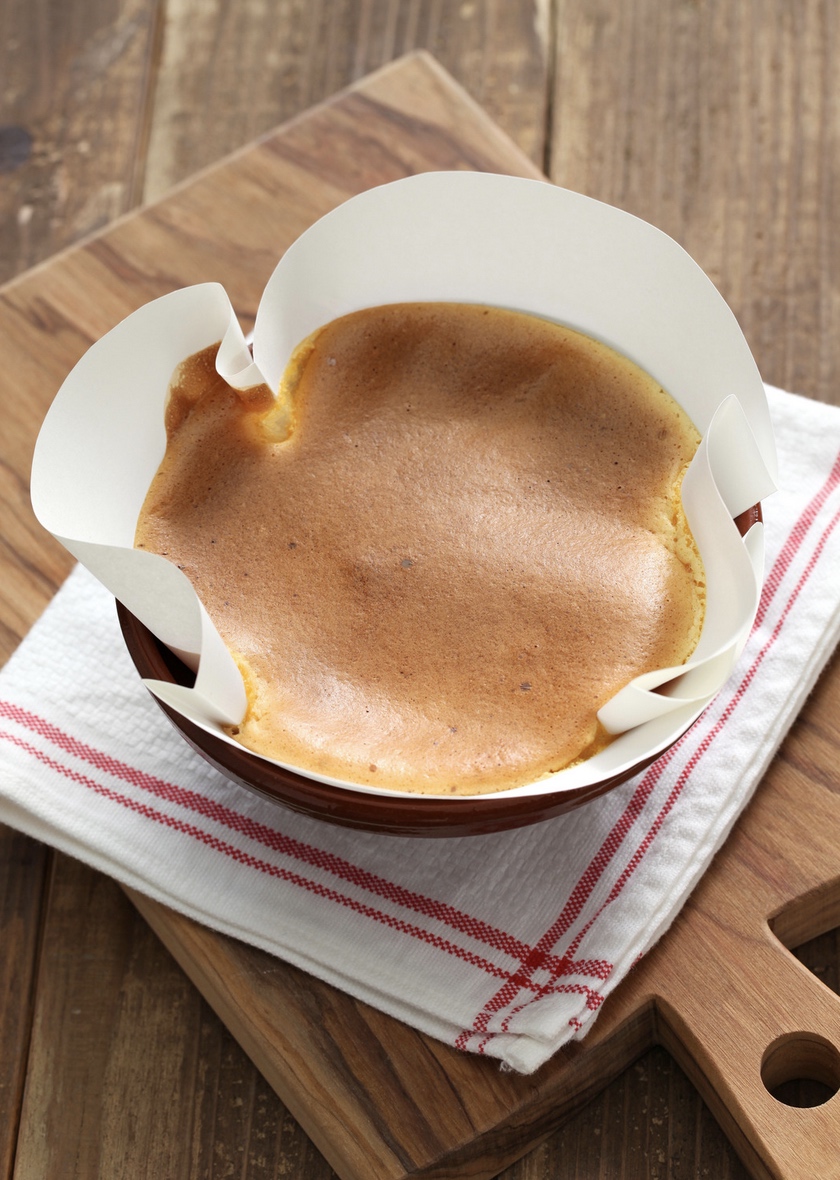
717	122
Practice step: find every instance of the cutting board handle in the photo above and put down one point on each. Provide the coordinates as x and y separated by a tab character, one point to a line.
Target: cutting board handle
741	1025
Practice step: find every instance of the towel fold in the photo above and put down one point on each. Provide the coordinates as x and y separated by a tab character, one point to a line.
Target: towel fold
505	944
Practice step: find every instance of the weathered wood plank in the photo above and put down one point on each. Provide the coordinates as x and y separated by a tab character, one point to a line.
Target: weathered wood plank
115	1052
23	865
74	99
74	102
76	1067
230	72
737	150
129	1072
718	123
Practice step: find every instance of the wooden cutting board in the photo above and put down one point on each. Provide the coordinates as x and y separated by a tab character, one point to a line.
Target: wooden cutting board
721	992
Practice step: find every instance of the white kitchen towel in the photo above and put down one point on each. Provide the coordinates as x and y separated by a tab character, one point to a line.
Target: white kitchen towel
505	944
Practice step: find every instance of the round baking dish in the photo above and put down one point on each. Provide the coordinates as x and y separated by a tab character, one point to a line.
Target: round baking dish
403	815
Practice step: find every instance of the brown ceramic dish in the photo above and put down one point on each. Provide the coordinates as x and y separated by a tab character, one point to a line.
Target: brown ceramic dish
408	815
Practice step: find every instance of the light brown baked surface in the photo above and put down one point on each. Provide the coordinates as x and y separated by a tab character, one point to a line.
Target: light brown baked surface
469	542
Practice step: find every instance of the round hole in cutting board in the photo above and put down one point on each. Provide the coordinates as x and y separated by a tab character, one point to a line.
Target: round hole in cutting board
801	1069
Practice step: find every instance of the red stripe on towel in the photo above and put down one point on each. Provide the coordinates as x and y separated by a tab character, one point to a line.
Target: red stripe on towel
528	959
278	841
247	859
594	871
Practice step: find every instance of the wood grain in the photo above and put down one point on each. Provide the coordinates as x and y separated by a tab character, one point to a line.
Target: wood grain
719	992
232	71
729	990
75	107
22	868
717	120
719	123
131	1074
102	1033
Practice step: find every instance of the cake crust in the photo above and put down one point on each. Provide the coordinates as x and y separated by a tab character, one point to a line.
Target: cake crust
453	537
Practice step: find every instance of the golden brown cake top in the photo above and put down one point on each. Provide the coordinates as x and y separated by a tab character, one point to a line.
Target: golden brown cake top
461	541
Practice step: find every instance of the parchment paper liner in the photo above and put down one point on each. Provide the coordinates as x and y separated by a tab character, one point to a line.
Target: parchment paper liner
468	237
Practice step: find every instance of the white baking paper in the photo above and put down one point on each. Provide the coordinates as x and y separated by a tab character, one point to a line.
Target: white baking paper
460	236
